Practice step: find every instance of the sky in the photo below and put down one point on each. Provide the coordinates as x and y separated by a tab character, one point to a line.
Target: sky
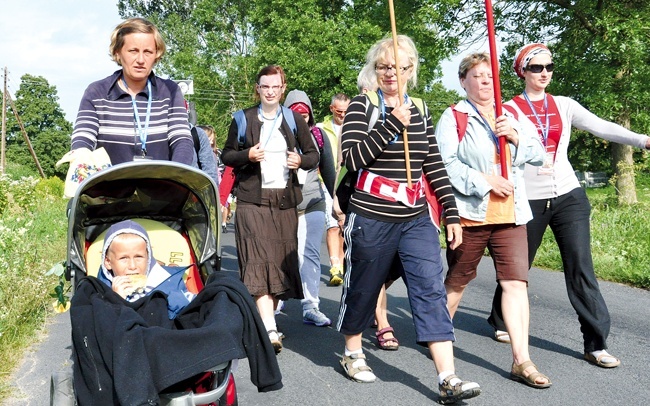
66	42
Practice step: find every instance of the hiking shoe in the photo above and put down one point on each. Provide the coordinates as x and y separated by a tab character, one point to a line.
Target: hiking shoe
336	272
357	369
452	393
315	317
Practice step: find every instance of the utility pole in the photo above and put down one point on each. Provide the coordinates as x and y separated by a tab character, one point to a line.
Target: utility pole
3	144
22	129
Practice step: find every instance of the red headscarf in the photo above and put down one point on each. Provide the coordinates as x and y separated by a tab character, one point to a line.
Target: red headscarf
525	54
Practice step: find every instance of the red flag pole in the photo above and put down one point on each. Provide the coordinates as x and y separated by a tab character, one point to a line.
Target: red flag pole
400	92
494	59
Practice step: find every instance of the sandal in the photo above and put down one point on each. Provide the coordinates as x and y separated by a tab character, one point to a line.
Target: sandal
502	336
357	369
385	343
589	357
517	374
276	340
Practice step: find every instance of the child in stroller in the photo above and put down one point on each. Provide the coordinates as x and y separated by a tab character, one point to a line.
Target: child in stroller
134	351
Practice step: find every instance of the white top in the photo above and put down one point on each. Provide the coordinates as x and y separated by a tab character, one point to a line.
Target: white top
275	172
563	179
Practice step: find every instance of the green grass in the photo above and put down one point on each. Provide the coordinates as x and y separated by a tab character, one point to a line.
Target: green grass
620	237
32	238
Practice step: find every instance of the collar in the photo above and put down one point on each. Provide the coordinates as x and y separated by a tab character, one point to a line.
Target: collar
115	92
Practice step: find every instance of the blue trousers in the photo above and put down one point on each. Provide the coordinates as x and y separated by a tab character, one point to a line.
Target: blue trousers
371	246
568	217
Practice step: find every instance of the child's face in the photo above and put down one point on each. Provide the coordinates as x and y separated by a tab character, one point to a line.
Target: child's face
127	255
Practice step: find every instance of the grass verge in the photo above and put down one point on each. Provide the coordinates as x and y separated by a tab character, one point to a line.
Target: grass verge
32	237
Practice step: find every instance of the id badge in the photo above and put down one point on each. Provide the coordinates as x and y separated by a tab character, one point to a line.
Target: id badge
549	159
302	176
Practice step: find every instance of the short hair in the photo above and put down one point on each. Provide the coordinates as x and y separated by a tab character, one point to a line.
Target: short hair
366	80
471	61
384	48
342	97
131	26
268	71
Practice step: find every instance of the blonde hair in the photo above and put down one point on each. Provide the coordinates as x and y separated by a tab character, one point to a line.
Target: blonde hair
367	79
384	48
471	61
131	26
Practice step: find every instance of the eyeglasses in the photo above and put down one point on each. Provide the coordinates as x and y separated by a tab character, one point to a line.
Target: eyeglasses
382	69
337	111
540	68
266	88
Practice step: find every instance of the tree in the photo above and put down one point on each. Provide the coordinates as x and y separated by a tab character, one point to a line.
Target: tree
601	52
49	132
321	44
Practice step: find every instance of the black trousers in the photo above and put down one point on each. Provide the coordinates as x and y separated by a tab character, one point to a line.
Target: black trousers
568	217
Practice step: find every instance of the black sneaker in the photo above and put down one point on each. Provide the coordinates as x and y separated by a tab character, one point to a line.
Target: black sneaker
224	229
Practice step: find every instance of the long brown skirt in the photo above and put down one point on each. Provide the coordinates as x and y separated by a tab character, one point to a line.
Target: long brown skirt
267	247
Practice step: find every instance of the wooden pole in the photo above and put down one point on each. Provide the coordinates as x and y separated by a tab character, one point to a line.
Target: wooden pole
22	129
494	59
398	73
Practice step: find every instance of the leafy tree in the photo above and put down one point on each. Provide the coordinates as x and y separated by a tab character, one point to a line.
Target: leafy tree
49	132
321	44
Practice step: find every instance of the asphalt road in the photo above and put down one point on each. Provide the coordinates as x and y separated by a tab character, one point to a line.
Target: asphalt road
313	376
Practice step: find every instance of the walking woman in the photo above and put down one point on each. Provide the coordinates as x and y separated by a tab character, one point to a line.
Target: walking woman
133	113
267	190
556	198
387	218
493	210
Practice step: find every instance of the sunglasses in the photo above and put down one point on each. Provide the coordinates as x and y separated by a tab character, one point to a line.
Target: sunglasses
337	111
540	68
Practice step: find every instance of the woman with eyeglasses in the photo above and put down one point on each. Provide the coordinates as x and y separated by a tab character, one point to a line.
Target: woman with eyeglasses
493	209
556	198
385	218
266	163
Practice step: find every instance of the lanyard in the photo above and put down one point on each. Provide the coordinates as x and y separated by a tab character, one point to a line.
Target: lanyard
272	126
489	128
383	110
142	132
543	129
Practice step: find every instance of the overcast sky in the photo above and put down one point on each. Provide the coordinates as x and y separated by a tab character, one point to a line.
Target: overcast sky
66	42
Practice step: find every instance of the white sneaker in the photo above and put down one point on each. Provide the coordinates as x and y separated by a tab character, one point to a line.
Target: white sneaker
280	307
316	317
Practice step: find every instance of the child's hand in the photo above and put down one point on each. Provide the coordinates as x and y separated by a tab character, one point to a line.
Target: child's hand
123	286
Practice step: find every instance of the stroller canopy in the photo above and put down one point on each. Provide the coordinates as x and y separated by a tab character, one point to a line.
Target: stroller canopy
184	198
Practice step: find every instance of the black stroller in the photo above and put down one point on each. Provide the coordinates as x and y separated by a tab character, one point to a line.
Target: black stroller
179	208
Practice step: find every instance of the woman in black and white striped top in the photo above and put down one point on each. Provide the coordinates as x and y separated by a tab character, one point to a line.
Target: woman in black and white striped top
387	218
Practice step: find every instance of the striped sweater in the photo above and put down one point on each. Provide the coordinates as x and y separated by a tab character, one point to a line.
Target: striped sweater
106	119
375	152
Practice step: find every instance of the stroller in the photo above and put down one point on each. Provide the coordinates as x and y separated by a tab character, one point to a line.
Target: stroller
179	207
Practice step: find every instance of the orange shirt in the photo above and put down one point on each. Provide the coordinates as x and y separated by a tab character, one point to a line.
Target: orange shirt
500	210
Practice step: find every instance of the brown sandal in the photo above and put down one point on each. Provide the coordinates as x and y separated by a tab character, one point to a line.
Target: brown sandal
517	374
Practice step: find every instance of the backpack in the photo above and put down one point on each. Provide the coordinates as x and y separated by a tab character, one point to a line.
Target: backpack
240	119
318	136
346	180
